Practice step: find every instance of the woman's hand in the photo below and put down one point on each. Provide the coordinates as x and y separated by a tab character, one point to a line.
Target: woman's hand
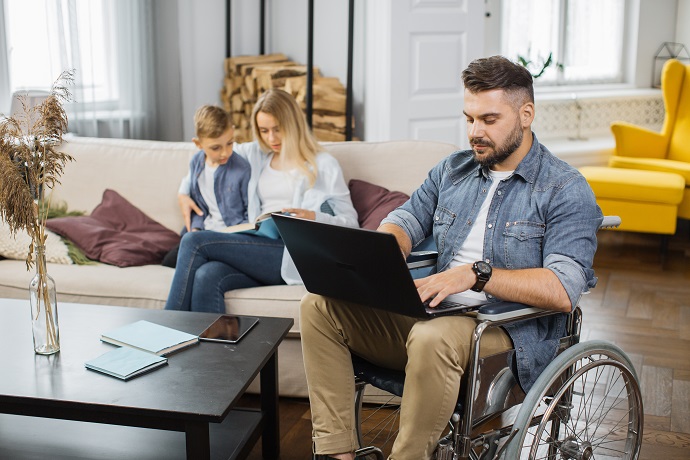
301	213
187	205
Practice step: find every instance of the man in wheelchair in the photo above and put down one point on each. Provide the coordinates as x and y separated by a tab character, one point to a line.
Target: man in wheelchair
511	222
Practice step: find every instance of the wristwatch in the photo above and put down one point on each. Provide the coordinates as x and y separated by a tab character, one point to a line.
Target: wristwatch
483	272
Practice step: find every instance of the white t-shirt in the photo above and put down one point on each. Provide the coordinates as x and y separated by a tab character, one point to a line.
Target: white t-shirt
214	220
472	249
276	189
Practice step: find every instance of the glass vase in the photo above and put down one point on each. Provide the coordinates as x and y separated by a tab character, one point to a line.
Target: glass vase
44	314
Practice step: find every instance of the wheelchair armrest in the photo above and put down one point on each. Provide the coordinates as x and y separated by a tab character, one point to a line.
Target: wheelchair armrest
501	311
610	222
420	259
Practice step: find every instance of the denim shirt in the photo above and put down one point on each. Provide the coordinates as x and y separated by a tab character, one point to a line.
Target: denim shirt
544	215
230	183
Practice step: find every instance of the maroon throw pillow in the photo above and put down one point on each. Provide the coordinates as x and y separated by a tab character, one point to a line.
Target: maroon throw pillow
117	233
373	202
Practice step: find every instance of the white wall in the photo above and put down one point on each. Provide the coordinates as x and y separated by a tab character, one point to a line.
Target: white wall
167	68
201	39
657	24
683	24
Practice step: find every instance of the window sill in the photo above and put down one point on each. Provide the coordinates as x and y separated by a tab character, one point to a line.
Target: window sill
568	93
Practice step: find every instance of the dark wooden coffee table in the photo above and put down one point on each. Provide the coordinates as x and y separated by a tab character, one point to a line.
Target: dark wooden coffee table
53	407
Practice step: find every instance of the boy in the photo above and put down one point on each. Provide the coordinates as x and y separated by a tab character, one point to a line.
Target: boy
217	179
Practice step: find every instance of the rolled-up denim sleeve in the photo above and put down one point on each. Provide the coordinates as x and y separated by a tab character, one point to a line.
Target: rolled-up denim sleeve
404	219
575	279
570	240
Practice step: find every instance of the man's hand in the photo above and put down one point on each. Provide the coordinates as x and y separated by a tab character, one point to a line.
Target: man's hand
538	287
441	285
187	205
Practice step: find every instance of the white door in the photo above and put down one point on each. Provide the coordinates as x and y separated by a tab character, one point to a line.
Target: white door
415	91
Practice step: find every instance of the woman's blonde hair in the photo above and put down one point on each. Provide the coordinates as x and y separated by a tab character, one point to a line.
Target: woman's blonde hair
298	142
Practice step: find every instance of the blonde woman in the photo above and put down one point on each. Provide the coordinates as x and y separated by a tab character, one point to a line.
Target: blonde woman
289	173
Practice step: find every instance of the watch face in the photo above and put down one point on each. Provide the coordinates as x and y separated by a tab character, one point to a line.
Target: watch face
483	268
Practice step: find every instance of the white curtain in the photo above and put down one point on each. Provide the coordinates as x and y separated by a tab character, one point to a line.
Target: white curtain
109	44
5	92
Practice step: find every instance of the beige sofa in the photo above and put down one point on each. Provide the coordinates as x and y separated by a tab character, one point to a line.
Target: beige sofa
148	173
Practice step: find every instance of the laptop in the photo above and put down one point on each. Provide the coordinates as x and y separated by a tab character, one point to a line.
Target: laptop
357	265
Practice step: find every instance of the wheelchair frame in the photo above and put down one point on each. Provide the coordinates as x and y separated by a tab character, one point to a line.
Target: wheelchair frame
549	409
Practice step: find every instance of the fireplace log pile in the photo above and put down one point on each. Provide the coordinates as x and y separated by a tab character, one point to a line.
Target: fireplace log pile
247	77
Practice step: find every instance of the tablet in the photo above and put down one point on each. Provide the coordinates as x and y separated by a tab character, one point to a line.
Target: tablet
228	328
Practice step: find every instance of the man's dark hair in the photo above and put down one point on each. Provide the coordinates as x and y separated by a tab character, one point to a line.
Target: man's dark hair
497	72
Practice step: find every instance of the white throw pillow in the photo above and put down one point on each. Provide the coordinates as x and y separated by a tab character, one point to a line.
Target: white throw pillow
17	246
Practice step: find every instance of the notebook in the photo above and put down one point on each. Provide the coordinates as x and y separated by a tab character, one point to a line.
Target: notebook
150	337
125	362
357	265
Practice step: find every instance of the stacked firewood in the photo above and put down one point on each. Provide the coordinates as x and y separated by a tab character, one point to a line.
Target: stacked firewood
247	77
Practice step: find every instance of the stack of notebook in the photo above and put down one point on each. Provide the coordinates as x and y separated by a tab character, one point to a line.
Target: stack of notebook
142	347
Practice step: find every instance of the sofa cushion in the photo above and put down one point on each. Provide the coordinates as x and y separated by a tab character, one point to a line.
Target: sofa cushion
117	233
373	203
17	246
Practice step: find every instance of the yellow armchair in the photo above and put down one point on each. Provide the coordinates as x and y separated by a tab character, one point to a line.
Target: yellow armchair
669	150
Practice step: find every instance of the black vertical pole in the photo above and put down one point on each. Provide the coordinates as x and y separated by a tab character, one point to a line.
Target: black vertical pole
228	28
310	61
350	52
262	28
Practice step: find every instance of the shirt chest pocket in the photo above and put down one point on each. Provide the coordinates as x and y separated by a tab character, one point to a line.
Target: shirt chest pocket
523	244
443	219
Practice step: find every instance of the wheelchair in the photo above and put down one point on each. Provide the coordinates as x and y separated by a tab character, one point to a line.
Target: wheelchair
585	405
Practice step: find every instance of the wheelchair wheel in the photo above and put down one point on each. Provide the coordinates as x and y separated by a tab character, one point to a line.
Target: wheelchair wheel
378	429
585	405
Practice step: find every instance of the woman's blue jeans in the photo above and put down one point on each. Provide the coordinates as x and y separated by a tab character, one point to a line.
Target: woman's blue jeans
211	263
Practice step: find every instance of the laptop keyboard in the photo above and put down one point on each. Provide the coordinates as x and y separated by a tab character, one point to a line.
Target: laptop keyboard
448	305
443	305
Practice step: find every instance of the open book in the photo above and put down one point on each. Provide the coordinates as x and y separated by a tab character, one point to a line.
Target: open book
262	226
248	225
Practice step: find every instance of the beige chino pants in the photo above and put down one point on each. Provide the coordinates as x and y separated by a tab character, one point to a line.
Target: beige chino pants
433	353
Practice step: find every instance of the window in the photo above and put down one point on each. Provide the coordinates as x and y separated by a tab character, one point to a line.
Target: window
583	37
44	38
108	43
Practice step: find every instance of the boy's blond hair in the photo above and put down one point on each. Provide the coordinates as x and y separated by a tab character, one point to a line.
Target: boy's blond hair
211	121
299	143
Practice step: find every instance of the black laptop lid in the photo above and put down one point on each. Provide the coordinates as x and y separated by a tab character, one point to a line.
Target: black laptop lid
353	264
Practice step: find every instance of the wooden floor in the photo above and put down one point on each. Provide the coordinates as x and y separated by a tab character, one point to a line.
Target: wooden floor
638	304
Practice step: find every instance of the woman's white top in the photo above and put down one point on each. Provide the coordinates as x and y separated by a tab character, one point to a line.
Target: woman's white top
330	186
276	189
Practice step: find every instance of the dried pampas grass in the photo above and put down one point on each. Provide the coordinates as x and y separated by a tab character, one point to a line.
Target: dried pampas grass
30	163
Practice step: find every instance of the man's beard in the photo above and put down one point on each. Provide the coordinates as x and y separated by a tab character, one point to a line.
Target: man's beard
501	153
